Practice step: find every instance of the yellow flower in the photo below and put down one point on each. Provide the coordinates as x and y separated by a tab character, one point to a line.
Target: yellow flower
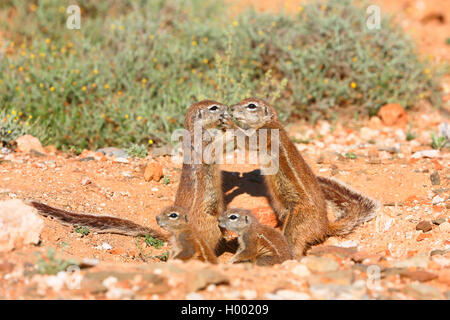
42	54
83	88
205	61
194	43
150	141
95	71
205	39
20	113
274	24
106	86
151	37
31	56
22	54
47	41
144	81
355	59
126	116
427	71
20	69
30	117
139	118
113	27
300	9
325	80
41	85
52	88
61	9
74	83
235	23
121	28
155	60
9	131
11	66
13	112
93	85
260	32
323	7
63	50
353	85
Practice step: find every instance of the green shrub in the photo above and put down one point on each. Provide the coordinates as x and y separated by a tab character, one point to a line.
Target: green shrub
128	75
51	264
12	126
138	150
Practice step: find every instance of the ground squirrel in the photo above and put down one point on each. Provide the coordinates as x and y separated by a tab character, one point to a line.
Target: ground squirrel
186	240
98	223
258	243
298	196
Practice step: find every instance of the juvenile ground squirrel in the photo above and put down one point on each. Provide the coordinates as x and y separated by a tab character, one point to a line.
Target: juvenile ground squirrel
298	196
185	239
258	243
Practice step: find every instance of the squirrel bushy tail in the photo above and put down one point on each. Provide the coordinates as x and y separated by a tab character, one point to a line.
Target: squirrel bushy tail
98	223
355	208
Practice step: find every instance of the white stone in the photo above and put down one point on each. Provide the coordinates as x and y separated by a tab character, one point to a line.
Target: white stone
426	154
437	200
19	225
301	271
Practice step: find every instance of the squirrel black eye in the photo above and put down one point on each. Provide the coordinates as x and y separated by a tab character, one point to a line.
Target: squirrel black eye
213	108
232	217
251	106
173	215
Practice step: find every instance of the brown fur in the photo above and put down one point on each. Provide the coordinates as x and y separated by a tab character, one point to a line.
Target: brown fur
200	187
299	197
186	240
258	243
98	223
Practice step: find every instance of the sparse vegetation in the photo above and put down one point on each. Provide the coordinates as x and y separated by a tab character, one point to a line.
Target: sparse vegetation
350	155
138	150
84	231
438	142
157	244
410	135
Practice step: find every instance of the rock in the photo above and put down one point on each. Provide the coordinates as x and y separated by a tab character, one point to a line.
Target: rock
368	134
439	221
121	160
153	171
435	178
116	152
343	252
393	114
249	294
426	154
340	277
161	151
106	246
200	279
438	252
417	261
301	271
291	295
27	143
422	291
425	226
320	264
85	181
194	296
421	276
19	225
444	227
423	236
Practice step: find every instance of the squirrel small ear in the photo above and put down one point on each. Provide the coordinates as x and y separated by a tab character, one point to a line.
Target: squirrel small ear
186	218
246	219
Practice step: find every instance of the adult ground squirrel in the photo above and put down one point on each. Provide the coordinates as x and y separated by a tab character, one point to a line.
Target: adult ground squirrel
199	190
298	196
98	223
258	243
185	239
